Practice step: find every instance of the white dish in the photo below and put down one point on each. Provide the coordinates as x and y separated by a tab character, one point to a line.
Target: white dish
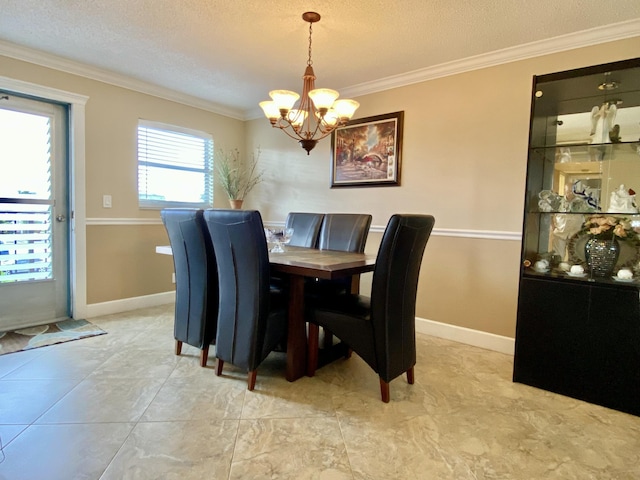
577	275
623	280
541	270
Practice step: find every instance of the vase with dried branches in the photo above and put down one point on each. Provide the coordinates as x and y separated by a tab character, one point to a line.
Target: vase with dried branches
235	178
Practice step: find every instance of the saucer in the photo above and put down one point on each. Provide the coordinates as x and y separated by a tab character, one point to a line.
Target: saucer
577	275
623	280
541	270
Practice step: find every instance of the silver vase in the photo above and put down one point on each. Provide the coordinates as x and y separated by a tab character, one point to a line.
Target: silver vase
601	255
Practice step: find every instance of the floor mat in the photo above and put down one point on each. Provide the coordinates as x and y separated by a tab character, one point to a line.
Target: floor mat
43	335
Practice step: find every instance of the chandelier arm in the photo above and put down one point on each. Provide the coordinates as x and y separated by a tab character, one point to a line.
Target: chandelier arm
285	128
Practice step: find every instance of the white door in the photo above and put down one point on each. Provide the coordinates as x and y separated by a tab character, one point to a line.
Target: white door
34	227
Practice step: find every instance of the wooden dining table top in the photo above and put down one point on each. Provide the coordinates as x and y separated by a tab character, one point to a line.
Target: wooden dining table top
326	264
312	262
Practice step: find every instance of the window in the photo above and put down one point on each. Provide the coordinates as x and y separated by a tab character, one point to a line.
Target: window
175	166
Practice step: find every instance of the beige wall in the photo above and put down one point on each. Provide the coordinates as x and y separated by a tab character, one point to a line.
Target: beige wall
121	261
464	161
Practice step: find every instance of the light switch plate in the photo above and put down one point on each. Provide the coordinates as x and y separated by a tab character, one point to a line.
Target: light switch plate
106	201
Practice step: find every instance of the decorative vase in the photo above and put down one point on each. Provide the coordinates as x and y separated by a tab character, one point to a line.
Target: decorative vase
601	255
236	204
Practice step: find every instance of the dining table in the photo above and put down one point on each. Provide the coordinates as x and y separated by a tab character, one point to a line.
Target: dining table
299	263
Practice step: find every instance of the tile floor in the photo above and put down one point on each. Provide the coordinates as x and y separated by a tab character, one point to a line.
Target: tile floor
123	406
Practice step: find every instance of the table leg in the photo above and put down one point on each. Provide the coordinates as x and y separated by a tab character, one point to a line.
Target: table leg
297	336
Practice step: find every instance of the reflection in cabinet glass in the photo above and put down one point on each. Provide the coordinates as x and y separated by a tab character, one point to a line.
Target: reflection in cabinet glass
581	230
584	161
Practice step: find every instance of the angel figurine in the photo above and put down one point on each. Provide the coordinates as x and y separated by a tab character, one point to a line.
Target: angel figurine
622	201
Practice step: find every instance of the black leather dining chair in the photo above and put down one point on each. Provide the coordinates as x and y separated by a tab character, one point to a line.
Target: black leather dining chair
346	232
252	319
306	227
380	328
196	310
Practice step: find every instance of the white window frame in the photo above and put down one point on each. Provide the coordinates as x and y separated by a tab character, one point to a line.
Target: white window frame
205	169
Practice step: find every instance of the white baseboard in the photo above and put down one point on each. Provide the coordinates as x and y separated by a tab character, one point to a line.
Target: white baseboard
467	336
455	333
126	304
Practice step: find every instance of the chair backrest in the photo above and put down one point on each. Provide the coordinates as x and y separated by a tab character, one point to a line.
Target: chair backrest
305	228
394	289
194	263
243	273
346	232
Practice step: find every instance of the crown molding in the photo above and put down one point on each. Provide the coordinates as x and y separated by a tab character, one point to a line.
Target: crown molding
76	68
584	38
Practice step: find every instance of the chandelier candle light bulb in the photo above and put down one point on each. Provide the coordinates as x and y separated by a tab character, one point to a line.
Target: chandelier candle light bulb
319	111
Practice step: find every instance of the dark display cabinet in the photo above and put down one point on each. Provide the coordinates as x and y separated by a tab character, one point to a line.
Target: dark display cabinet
578	327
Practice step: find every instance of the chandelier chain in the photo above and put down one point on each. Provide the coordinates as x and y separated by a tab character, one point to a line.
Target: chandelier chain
309	61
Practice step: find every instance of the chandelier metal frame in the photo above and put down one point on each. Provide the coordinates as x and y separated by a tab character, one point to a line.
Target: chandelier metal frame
318	113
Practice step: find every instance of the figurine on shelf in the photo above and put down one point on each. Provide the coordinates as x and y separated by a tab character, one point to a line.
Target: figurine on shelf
587	198
614	134
622	201
602	118
565	226
563	155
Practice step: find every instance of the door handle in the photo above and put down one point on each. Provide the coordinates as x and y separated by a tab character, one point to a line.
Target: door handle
61	218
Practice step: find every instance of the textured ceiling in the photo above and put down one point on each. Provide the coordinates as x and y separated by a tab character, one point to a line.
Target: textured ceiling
232	52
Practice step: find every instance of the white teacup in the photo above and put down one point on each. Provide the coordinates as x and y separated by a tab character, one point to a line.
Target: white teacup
576	270
625	274
564	266
541	265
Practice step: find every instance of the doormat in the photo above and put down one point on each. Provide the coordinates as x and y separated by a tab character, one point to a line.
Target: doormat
43	335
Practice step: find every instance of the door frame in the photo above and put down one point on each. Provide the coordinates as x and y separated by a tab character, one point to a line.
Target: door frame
77	192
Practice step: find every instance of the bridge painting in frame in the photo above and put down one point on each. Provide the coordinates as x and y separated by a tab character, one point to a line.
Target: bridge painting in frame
367	152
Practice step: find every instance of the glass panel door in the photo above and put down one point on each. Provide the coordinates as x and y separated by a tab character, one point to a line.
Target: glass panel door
34	274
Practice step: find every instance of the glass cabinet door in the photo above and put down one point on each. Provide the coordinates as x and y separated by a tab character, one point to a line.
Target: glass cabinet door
583	177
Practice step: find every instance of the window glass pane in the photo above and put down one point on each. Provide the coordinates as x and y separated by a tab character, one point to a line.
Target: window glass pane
174	166
24	155
25	166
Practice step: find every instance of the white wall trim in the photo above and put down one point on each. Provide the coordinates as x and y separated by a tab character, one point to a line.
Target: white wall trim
447	232
124	221
454	333
485	234
467	336
94	73
439	232
128	304
585	38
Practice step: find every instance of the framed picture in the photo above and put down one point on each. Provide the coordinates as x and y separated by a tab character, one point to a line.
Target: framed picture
367	152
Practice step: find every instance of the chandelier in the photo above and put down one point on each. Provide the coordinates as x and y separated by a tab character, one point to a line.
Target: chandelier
319	111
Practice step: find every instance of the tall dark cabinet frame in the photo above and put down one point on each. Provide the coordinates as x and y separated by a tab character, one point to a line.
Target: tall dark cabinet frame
576	335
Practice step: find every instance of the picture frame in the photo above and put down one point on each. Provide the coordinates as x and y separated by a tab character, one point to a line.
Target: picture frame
367	152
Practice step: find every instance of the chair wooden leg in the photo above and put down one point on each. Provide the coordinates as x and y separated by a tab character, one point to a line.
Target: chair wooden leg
204	353
312	345
327	341
348	352
219	365
384	391
410	378
178	347
251	379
